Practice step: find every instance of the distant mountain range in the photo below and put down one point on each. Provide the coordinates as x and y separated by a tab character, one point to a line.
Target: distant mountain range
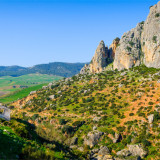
55	68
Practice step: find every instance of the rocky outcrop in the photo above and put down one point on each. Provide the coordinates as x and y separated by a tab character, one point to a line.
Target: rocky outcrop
151	118
150	38
133	150
6	113
99	60
102	57
137	150
92	138
101	154
113	47
85	69
141	45
117	138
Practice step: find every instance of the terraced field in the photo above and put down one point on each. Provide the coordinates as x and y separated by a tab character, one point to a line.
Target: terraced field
12	88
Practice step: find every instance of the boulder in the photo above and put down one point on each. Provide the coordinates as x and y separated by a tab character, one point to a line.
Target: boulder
151	118
103	151
32	92
52	96
137	150
92	138
117	138
124	153
74	141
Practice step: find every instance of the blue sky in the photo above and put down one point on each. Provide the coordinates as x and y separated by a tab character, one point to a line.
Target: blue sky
42	31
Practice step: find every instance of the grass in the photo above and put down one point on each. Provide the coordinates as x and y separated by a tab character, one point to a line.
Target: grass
7	82
20	94
11	87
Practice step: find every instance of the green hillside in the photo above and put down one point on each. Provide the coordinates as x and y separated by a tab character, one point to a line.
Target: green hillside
114	114
12	88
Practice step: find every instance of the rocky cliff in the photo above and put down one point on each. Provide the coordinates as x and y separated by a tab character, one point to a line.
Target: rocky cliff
141	45
99	60
102	57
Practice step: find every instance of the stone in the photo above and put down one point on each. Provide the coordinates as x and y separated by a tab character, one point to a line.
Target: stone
103	151
93	138
6	113
52	96
151	118
117	138
124	152
74	141
137	150
120	85
113	47
141	44
33	92
44	87
96	119
94	128
99	60
59	92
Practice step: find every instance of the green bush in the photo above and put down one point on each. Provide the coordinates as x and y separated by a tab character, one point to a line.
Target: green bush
62	121
157	15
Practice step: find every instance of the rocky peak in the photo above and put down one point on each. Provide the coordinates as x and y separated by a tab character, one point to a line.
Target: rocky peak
141	45
98	61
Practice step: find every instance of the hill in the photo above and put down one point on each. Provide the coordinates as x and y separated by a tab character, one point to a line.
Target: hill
112	114
55	68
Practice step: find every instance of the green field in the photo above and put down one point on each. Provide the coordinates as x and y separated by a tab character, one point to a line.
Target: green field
12	88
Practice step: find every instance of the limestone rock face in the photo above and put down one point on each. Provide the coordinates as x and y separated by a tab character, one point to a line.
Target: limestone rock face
128	52
113	47
99	60
150	38
141	45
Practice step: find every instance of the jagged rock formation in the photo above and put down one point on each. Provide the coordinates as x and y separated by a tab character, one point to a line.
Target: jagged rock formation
113	47
99	60
102	57
141	45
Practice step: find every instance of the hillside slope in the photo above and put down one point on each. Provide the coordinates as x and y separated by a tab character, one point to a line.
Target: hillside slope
110	115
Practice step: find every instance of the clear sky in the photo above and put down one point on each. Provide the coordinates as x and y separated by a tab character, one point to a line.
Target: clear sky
42	31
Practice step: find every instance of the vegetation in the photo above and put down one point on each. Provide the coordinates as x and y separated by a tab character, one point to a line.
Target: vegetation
112	102
157	15
20	86
154	39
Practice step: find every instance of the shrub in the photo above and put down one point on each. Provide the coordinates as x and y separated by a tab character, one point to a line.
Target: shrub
154	39
128	48
145	142
67	129
131	114
62	121
157	15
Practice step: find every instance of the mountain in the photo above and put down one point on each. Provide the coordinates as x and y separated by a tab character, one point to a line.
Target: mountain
109	111
55	68
139	46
